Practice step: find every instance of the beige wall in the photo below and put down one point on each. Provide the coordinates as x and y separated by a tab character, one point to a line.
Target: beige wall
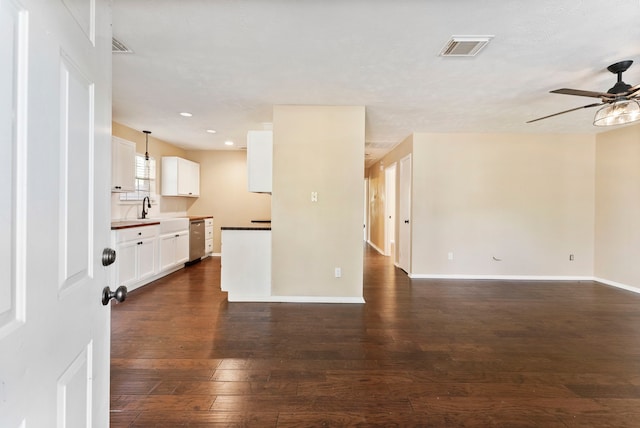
165	206
617	231
527	200
377	191
223	191
317	149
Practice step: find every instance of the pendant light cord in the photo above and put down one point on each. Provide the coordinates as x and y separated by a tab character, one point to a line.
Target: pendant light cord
146	153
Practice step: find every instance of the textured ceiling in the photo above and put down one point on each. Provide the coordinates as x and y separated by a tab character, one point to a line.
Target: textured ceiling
229	61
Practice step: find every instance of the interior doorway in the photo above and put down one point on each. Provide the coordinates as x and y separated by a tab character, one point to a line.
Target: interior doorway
404	214
365	221
390	211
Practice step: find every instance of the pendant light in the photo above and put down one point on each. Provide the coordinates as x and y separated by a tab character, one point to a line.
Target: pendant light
147	162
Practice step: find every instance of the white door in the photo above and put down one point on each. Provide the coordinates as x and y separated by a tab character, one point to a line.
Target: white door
404	238
365	221
390	210
55	121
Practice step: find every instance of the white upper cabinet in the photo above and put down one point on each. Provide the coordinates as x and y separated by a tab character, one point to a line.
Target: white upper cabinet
180	177
123	165
259	161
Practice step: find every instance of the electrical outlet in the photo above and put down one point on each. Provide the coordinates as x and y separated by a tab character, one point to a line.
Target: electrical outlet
338	272
314	196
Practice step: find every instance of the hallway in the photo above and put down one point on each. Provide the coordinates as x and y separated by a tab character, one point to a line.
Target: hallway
418	353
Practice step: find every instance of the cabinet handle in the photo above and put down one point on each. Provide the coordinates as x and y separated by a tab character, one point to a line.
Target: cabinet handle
177	236
139	233
140	243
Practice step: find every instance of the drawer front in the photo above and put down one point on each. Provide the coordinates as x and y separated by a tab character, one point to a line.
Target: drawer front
208	233
208	222
136	233
208	246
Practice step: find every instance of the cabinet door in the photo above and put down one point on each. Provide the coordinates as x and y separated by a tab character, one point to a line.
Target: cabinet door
183	177
146	258
123	165
167	252
259	161
182	247
188	178
126	263
194	179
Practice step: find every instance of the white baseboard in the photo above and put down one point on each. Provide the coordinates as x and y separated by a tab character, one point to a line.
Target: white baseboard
375	247
529	278
618	285
296	299
503	277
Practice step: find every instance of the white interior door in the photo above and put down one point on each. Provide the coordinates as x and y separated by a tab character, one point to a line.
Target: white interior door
404	227
390	210
55	121
365	221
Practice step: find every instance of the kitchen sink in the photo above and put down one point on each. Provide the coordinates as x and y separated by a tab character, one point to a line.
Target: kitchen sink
170	225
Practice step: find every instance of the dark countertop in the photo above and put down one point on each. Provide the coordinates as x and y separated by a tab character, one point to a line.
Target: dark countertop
245	228
126	224
198	217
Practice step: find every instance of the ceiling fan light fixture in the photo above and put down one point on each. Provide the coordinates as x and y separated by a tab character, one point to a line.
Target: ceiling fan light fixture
618	113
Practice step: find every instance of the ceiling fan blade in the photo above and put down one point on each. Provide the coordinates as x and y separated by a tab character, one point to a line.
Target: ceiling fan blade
582	93
566	111
634	91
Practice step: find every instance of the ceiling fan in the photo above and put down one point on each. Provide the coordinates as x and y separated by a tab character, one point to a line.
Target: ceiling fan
620	103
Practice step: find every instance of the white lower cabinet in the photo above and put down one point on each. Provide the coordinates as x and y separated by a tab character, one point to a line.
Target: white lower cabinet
135	255
174	249
146	253
208	236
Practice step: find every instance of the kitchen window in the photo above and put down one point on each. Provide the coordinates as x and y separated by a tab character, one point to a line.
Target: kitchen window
145	181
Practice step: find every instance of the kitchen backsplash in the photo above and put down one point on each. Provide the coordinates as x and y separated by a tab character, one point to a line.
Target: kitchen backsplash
162	207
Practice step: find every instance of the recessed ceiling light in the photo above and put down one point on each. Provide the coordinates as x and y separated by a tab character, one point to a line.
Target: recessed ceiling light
211	131
186	114
228	143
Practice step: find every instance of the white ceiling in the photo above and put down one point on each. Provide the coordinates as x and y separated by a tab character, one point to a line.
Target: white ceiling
229	61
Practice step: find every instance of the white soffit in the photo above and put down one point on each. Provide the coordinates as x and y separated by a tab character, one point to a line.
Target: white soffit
465	45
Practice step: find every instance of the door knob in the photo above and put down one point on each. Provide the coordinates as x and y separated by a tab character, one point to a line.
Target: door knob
108	256
120	294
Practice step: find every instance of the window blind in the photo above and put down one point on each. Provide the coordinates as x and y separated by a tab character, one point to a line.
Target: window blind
145	181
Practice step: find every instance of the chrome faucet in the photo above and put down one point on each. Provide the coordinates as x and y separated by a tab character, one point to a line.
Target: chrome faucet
144	211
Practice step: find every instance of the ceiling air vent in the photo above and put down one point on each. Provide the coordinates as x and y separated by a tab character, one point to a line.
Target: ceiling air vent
465	45
118	47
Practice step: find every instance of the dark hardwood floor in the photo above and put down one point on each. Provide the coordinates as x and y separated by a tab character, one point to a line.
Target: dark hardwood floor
425	353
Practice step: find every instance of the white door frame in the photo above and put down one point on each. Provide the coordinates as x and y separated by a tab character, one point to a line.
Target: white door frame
389	208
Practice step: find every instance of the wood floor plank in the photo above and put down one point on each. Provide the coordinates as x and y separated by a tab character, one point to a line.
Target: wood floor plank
419	353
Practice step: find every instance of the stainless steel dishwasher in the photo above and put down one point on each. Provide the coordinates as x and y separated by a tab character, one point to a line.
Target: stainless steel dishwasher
196	240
